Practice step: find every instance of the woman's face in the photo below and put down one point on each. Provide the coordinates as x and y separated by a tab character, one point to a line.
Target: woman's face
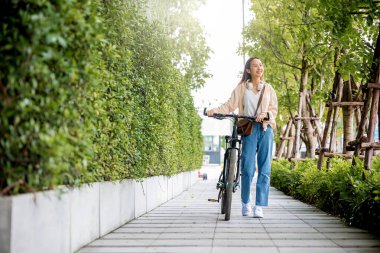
257	69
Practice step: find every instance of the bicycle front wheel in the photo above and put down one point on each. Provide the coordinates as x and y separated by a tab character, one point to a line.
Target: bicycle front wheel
223	190
230	182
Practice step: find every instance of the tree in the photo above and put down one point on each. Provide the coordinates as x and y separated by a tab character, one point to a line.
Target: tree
189	42
290	38
299	42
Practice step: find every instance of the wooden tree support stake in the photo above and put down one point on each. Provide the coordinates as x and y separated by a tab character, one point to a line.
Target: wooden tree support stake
286	138
374	85
310	118
374	145
332	114
283	138
369	152
358	141
328	104
300	159
345	156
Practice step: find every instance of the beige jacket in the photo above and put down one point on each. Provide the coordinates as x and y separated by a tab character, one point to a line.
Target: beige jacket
268	103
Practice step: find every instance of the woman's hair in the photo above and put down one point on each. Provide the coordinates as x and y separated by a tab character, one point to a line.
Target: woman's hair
247	76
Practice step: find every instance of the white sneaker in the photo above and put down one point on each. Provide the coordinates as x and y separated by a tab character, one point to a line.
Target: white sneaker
246	209
258	212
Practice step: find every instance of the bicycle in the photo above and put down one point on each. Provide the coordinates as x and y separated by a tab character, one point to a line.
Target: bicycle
229	179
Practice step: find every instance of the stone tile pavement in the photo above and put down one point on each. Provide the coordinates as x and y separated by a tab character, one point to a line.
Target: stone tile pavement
189	223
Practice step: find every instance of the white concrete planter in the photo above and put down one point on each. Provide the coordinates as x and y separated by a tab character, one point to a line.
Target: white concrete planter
84	215
64	222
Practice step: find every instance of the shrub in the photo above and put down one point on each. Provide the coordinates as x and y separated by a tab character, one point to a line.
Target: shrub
344	190
45	137
89	91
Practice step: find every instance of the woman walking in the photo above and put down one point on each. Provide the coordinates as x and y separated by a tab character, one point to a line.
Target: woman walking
246	97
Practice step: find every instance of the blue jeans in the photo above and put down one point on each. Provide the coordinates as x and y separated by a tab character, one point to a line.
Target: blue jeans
259	143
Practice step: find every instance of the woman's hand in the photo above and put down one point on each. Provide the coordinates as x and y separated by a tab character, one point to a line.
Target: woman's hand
261	117
210	113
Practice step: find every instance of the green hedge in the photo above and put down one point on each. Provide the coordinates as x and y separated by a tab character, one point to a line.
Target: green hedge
344	190
89	91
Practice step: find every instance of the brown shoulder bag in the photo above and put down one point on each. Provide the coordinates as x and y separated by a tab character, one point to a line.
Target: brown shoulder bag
245	126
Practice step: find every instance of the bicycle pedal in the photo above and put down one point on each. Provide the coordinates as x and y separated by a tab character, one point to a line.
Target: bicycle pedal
213	200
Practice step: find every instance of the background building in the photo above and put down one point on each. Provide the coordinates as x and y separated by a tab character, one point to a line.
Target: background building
213	131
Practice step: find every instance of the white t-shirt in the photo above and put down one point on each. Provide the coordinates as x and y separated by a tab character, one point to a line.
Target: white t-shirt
250	103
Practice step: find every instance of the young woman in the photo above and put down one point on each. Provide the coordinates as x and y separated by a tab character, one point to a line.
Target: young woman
259	143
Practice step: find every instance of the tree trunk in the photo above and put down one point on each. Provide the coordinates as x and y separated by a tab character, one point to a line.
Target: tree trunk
348	127
357	117
291	142
375	78
308	127
321	103
315	123
348	115
298	127
332	146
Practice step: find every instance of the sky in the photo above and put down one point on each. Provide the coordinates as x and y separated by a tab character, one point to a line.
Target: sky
223	23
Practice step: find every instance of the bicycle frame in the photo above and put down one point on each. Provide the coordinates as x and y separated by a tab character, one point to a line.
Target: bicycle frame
236	145
232	157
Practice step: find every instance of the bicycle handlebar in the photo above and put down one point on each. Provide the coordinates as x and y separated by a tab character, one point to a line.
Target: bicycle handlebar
222	116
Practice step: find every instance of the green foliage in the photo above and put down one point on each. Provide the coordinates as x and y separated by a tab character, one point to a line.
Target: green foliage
91	91
301	36
341	13
185	31
45	134
344	190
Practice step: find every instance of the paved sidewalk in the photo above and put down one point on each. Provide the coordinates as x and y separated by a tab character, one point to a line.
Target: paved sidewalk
189	223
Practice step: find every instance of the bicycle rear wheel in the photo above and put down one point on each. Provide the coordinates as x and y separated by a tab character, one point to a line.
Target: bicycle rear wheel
223	201
230	182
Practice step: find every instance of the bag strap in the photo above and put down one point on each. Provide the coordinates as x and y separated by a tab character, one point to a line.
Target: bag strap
260	99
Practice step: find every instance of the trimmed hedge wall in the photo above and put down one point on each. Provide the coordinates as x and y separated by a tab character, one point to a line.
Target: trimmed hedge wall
345	190
89	91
